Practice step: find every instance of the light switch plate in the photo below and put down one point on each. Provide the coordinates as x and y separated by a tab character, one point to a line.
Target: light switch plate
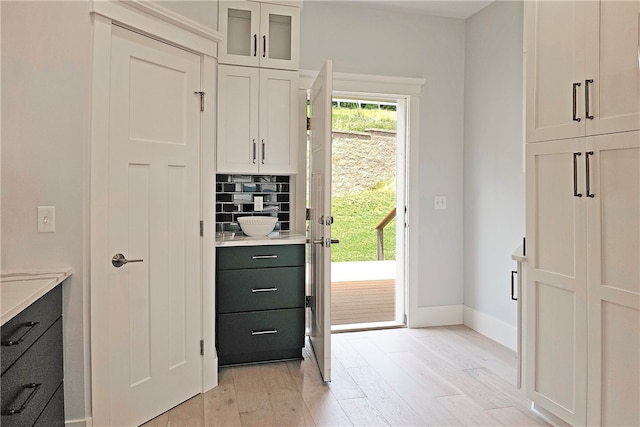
46	219
258	203
440	202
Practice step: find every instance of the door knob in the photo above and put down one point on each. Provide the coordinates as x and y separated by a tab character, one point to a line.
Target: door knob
119	260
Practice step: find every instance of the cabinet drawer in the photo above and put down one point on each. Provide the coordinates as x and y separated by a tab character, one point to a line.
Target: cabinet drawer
26	327
53	414
239	257
260	335
260	289
29	384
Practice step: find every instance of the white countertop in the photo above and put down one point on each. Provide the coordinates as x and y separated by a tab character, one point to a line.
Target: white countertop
275	238
21	289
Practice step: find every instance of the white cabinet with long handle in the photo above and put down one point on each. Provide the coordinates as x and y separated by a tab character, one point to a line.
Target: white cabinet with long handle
259	34
257	119
583	74
582	286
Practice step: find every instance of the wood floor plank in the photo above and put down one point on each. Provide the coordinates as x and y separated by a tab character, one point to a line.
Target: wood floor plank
467	411
286	400
381	395
362	413
380	377
321	402
188	414
252	396
220	404
511	416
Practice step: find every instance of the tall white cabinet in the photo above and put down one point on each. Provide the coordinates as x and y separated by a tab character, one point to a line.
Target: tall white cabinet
582	291
257	120
582	68
258	87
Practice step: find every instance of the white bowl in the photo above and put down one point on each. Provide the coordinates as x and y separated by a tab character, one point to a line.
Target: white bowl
256	226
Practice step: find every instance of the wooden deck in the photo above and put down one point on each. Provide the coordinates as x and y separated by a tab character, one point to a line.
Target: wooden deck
362	301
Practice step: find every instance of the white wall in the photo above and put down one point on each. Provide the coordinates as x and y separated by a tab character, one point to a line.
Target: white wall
493	168
45	130
382	42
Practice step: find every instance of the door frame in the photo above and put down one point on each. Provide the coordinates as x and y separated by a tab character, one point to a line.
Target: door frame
409	90
164	25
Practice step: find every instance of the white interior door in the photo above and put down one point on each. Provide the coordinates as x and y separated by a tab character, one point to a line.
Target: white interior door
320	218
154	309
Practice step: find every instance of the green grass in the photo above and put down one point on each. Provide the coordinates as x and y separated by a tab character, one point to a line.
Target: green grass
355	217
359	119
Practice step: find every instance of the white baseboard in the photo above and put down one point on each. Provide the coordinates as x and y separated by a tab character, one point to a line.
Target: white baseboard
493	328
422	317
85	422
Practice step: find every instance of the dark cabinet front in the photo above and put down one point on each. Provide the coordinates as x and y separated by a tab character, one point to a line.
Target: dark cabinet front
260	295
32	367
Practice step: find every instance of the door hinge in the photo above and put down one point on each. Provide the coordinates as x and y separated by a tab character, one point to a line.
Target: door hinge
202	94
201	347
201	228
307	301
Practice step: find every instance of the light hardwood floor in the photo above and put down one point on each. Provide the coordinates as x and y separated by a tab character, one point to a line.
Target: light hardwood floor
363	301
440	376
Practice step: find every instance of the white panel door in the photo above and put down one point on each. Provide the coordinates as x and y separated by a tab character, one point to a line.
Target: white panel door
614	279
154	208
320	218
555	50
237	144
278	146
613	65
555	290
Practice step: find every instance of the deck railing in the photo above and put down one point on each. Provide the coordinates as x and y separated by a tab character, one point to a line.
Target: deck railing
380	229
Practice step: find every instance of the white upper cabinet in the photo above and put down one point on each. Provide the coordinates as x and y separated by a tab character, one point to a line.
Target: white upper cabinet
257	120
583	68
259	34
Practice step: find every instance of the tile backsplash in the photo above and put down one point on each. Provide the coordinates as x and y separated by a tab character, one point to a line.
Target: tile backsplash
235	197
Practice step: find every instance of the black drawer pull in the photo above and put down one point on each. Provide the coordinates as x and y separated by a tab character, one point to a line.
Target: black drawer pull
266	332
35	387
264	257
256	290
29	325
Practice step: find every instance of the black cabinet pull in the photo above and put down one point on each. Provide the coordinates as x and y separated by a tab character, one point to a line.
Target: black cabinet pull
513	295
575	102
263	151
589	194
35	387
255	45
264	46
29	326
575	175
255	147
586	98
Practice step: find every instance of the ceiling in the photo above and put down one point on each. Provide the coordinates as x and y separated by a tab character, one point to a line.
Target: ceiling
461	9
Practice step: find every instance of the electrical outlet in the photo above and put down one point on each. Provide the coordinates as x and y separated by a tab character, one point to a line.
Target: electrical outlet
46	219
440	202
258	203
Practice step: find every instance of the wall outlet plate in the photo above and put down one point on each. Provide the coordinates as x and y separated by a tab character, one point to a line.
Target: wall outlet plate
46	219
258	203
440	202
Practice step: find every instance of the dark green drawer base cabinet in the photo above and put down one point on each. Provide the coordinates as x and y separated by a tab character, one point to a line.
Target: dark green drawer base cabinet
32	366
260	336
259	303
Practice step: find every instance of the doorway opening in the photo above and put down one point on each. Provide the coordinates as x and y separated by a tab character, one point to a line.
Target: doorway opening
368	191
